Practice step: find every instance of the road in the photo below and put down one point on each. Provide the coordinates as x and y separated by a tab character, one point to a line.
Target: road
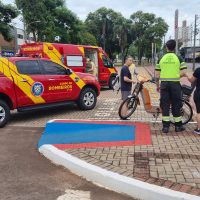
27	175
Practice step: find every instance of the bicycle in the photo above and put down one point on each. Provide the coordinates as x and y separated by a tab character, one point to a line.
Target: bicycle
128	106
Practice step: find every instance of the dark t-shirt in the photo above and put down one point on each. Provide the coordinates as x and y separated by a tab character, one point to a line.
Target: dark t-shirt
125	86
197	76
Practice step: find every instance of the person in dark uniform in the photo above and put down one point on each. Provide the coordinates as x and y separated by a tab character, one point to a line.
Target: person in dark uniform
196	79
169	70
126	78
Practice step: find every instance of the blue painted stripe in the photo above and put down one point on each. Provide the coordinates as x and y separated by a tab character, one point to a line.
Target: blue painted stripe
76	133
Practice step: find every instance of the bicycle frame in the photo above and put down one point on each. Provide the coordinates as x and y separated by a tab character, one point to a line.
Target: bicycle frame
139	89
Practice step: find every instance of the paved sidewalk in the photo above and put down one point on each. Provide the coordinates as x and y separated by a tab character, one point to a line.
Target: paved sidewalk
172	161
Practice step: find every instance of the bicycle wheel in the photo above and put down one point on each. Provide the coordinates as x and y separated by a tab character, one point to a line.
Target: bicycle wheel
186	113
127	108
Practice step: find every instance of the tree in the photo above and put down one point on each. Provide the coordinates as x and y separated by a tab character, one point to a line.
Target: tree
7	13
148	29
122	30
104	25
49	18
38	17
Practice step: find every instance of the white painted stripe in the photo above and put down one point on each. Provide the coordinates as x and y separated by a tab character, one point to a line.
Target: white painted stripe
111	180
75	195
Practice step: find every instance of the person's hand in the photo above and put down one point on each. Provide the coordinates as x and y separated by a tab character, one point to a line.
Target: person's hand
133	81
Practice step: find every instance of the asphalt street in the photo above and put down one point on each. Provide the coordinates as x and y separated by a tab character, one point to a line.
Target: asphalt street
27	175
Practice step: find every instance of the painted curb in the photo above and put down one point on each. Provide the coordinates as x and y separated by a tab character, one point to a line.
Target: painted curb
110	180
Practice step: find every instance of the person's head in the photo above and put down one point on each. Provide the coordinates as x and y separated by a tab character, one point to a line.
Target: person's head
87	60
129	61
171	45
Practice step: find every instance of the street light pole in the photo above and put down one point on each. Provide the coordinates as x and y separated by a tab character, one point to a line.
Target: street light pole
194	47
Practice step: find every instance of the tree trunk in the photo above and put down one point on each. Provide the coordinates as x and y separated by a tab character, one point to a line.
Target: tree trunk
34	36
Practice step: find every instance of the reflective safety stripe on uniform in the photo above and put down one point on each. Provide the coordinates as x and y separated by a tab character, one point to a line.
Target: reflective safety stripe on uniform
177	119
166	118
157	67
170	79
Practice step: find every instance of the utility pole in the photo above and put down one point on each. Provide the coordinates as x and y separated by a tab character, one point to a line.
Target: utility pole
194	47
176	29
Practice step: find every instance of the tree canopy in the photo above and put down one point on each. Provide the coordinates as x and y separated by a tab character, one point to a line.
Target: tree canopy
104	27
49	18
148	29
120	33
7	13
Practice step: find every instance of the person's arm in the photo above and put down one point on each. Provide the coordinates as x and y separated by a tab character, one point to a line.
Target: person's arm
183	73
126	79
157	75
126	73
192	79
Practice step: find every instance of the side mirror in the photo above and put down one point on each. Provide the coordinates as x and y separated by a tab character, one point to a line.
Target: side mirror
68	71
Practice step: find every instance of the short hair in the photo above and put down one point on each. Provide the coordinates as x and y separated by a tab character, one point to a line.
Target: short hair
127	57
171	45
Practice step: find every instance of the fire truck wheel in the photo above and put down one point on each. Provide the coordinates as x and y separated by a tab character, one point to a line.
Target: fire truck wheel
87	99
111	80
4	113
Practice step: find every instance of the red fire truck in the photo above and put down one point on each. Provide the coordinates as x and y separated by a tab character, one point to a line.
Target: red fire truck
74	57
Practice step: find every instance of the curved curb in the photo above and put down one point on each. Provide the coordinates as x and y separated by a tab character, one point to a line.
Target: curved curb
110	180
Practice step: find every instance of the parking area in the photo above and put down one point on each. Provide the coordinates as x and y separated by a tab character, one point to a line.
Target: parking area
106	109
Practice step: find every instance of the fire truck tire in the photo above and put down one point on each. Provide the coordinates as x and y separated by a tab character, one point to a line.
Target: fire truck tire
4	113
87	99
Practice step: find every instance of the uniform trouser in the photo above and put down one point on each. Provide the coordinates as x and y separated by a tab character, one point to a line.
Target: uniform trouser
171	94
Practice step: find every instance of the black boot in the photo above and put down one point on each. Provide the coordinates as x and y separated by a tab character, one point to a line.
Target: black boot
165	128
179	127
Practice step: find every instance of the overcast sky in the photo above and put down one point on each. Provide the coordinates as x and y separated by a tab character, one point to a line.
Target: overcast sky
162	8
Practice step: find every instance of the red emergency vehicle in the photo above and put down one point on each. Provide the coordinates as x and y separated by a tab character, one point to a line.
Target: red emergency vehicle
31	83
74	57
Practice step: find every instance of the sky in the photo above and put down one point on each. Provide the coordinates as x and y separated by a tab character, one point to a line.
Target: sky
161	8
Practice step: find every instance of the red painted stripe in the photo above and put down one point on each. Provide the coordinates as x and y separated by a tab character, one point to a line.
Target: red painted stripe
93	145
97	122
142	135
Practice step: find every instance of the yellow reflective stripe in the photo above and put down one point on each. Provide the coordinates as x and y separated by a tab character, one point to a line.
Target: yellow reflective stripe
95	47
55	56
177	119
111	70
82	50
183	64
101	55
5	70
80	82
25	87
157	66
166	118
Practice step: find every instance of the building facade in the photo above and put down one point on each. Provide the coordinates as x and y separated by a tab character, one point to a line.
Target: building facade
12	47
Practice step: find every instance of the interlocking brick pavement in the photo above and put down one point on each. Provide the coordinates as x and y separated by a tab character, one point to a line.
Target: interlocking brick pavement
172	161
